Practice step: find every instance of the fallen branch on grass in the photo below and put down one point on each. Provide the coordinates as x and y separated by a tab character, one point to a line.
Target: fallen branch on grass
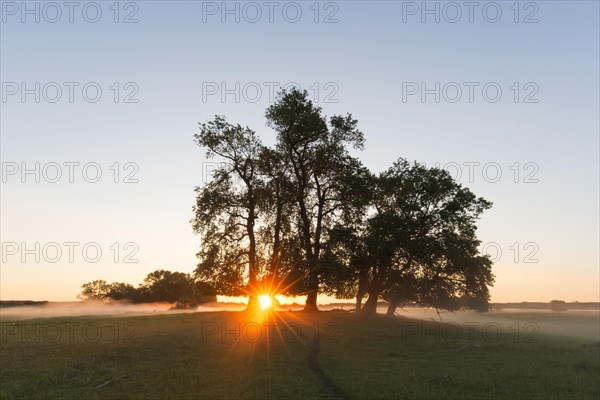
108	382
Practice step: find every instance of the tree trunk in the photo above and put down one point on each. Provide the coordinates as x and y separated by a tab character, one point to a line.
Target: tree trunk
252	278
360	294
313	291
252	302
277	237
359	297
391	311
370	307
311	301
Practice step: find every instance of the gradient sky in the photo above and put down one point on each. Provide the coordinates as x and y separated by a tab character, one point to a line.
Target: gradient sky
178	48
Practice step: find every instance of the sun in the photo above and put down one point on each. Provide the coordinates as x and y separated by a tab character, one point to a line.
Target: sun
265	301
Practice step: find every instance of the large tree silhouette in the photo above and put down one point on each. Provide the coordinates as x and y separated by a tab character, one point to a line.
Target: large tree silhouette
316	155
226	208
306	217
414	242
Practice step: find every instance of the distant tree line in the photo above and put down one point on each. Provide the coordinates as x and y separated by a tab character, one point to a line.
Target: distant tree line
21	303
558	305
158	286
305	217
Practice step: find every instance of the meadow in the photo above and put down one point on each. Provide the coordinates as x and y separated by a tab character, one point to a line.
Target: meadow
297	355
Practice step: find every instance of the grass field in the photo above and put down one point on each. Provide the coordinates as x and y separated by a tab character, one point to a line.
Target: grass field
233	355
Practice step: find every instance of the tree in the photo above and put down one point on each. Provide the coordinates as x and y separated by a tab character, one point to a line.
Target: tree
226	209
315	154
441	264
277	209
203	293
558	305
158	286
95	290
306	216
414	241
123	291
162	285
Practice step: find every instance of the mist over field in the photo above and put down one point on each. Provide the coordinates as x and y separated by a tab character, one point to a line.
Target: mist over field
577	323
531	323
75	309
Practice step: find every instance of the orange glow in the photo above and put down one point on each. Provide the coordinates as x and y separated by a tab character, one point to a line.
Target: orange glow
265	301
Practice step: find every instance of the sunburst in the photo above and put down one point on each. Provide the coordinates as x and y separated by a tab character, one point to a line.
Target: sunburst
264	300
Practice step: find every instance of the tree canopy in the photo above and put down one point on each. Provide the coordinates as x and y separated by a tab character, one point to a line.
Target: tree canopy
158	286
305	216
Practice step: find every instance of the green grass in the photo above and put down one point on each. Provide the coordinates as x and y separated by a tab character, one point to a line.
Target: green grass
185	356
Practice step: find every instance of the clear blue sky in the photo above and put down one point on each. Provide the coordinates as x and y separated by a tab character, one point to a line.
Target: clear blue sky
370	62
